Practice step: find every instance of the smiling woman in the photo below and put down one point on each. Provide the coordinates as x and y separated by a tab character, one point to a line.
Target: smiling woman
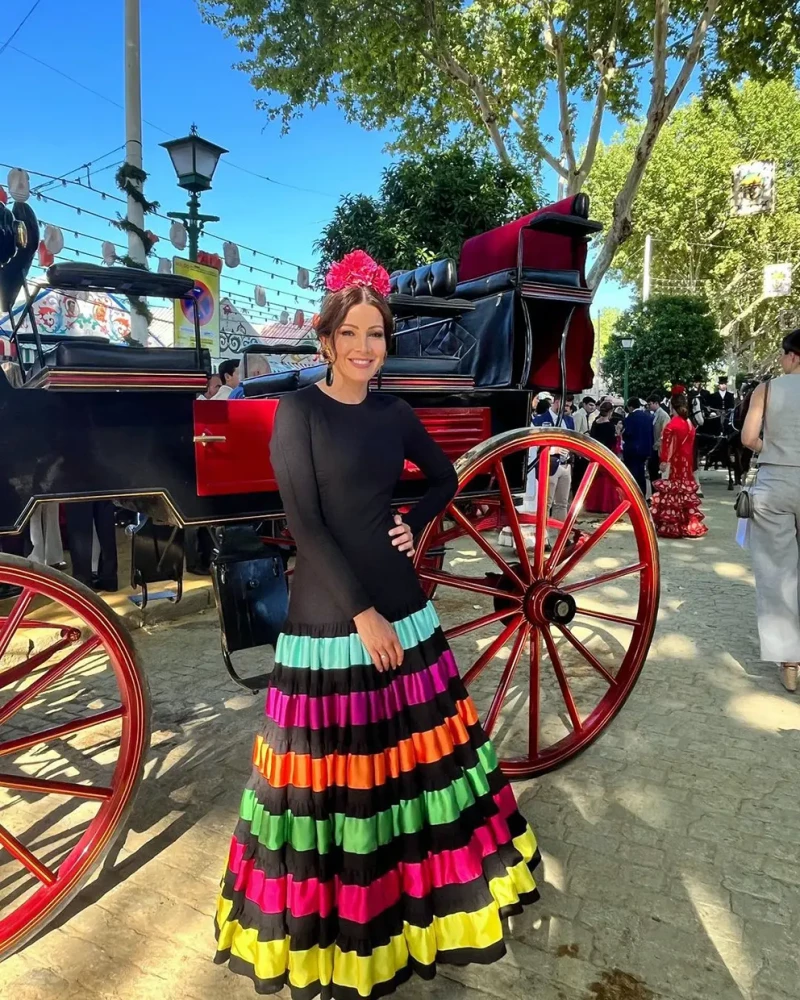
377	834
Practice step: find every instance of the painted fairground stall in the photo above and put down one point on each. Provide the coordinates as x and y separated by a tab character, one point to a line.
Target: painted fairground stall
550	616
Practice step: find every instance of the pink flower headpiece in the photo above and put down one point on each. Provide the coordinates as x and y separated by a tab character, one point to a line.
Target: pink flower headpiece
357	269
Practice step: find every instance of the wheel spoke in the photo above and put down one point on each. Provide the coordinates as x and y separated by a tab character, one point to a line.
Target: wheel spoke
533	704
48	678
476	623
542	511
587	544
505	679
465	583
492	650
45	787
19	851
489	549
563	683
59	732
10	625
13	674
513	519
598	581
606	616
572	516
587	654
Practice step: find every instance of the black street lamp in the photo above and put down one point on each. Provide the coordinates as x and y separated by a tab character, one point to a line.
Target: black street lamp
627	345
195	159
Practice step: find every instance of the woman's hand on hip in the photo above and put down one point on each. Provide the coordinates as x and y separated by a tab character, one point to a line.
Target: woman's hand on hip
380	639
401	536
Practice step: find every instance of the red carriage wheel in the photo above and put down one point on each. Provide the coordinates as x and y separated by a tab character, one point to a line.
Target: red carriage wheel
74	713
551	629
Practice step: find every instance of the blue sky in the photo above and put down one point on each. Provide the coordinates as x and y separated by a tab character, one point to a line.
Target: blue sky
187	77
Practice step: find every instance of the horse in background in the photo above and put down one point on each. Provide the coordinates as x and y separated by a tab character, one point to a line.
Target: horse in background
720	439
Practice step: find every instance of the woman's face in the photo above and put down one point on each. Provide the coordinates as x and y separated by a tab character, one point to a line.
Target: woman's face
214	384
359	344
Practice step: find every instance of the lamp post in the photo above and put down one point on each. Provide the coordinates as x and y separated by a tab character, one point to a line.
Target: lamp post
627	344
195	160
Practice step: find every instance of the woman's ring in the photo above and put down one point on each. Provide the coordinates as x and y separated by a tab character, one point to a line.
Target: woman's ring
384	656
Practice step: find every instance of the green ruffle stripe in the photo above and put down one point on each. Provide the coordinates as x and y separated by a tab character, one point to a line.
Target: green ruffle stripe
341	652
363	836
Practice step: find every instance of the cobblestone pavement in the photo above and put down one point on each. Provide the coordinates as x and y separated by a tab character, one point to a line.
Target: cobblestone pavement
670	869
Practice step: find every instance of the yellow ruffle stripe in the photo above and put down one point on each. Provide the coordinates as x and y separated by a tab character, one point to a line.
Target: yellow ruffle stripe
477	930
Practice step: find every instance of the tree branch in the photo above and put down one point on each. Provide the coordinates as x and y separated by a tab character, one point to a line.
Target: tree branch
556	44
660	29
693	54
542	150
743	315
661	106
444	60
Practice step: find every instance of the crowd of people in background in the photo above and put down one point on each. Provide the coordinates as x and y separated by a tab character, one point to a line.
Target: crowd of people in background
656	441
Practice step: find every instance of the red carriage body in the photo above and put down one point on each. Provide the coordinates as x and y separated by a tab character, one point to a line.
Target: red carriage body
511	580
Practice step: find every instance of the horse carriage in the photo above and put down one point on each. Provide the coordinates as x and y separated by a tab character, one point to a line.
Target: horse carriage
551	617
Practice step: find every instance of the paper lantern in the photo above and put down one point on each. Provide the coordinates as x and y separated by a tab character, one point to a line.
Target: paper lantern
45	257
260	296
109	252
152	237
231	254
303	277
178	236
164	265
19	185
3	196
53	239
284	317
210	260
299	318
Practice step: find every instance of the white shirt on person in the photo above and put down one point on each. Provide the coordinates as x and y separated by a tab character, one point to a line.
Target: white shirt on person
223	392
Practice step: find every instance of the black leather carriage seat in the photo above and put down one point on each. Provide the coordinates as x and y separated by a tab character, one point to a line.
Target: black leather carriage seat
430	366
276	383
504	281
95	363
437	279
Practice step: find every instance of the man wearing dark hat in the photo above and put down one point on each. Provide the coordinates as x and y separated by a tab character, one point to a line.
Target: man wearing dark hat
722	399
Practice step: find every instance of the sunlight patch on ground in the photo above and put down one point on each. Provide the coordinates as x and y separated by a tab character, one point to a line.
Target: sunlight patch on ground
554	873
645	803
733	571
672	644
767	712
590	801
723	932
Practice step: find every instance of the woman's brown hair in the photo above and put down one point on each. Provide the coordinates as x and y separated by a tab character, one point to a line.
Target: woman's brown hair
337	305
605	408
680	404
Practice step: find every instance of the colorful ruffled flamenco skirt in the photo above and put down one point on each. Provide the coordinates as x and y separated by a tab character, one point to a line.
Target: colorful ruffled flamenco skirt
675	507
376	835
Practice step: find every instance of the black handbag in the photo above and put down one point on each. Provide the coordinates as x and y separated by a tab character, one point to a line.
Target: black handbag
743	505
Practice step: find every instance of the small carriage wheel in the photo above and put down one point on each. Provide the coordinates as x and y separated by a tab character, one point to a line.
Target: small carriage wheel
56	637
539	596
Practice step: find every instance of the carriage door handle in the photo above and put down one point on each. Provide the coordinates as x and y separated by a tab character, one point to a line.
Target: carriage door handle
205	439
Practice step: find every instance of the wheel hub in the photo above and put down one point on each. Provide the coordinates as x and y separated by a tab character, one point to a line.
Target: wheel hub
545	604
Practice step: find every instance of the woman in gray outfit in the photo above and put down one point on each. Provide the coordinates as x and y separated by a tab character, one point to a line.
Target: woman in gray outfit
772	430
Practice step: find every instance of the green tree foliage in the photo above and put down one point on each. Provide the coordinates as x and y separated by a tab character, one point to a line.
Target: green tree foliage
427	206
675	340
684	202
483	71
605	325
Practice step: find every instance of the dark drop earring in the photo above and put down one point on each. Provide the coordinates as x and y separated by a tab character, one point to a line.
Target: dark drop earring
380	377
329	375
